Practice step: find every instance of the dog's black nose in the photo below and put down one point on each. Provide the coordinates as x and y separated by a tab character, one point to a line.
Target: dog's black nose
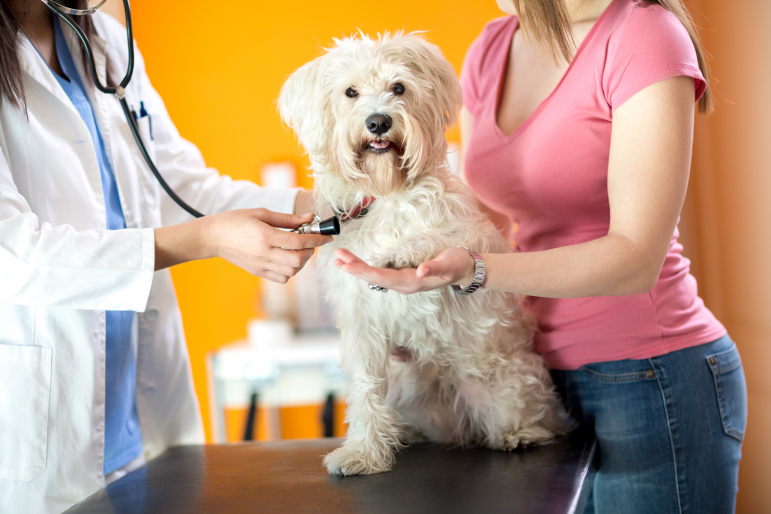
379	124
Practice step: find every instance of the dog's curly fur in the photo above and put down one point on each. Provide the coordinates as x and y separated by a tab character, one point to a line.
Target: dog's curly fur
473	377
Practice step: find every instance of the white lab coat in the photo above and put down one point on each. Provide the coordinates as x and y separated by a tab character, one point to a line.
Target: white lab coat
60	269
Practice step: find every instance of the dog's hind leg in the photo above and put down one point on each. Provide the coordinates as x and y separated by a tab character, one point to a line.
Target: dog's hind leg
518	405
413	393
373	432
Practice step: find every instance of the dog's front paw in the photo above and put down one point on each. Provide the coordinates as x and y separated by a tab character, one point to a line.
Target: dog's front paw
395	260
532	435
357	460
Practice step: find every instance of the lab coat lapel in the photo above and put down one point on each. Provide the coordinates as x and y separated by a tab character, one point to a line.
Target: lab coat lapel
37	69
100	104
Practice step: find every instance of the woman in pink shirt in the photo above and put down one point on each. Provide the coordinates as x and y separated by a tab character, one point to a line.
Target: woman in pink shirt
586	150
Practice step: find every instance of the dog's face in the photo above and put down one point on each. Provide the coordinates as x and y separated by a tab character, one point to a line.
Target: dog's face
374	112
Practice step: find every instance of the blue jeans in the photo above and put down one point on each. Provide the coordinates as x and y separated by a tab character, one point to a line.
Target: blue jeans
669	429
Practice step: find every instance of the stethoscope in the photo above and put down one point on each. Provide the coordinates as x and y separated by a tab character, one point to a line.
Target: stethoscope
120	91
330	226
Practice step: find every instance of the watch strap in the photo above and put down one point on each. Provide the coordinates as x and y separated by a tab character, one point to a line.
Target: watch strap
479	274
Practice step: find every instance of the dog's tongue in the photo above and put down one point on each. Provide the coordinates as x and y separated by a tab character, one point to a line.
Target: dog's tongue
380	144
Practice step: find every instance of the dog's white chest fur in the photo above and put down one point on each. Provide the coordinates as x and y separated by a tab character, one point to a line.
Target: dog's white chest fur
436	213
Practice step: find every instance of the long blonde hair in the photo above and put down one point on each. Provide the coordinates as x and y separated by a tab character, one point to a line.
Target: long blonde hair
548	24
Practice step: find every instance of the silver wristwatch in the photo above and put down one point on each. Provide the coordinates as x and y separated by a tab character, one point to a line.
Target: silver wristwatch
479	274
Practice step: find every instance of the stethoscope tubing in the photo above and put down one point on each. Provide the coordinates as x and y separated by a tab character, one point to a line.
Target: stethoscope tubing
119	92
150	164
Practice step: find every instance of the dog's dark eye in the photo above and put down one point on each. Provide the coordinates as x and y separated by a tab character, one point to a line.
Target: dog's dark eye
351	93
398	89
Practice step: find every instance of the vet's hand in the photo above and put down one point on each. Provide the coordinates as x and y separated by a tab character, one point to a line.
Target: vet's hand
451	266
250	239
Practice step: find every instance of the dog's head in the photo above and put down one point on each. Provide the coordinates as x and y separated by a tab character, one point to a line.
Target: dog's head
374	112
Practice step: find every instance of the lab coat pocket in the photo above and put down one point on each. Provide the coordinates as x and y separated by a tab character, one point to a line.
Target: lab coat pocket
25	386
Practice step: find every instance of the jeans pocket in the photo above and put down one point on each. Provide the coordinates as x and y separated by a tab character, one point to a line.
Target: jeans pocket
731	390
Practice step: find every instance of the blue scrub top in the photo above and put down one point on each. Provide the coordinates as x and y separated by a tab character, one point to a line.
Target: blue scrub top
122	436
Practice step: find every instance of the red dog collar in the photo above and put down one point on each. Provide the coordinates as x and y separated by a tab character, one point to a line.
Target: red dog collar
357	212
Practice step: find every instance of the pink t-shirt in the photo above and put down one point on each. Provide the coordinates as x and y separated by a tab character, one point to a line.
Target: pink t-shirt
550	177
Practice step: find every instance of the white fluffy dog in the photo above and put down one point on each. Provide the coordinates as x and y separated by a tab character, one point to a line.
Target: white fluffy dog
372	116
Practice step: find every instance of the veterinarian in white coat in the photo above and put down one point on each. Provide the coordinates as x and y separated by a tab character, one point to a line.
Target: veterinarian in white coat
60	269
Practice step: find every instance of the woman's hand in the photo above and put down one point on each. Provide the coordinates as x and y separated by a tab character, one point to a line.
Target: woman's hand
248	238
449	267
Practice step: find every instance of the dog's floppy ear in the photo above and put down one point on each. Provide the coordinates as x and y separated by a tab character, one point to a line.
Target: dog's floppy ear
304	105
427	61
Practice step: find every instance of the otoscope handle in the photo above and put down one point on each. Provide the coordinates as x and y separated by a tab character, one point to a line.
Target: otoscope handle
327	227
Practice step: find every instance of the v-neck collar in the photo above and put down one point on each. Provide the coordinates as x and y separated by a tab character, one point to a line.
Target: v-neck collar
33	64
503	69
63	54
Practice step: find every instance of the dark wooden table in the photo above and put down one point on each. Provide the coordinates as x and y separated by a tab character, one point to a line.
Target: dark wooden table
288	477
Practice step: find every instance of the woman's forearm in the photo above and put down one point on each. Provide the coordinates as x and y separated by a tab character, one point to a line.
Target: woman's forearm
251	239
185	242
610	266
197	239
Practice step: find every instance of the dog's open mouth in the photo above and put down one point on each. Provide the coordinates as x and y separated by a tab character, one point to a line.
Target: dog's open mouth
380	146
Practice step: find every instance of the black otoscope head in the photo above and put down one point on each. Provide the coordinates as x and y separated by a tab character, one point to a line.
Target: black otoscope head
327	227
330	227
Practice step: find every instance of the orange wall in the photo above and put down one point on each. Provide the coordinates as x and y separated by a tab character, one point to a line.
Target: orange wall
730	191
296	422
220	71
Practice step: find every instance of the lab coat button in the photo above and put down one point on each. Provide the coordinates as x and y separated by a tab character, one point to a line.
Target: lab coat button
152	314
149	388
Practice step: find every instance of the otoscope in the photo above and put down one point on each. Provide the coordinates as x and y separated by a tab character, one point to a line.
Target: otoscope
327	227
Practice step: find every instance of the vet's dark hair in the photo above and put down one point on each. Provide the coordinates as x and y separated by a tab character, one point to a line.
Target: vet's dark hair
12	13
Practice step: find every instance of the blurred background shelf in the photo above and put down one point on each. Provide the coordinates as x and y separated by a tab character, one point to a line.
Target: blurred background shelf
293	387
